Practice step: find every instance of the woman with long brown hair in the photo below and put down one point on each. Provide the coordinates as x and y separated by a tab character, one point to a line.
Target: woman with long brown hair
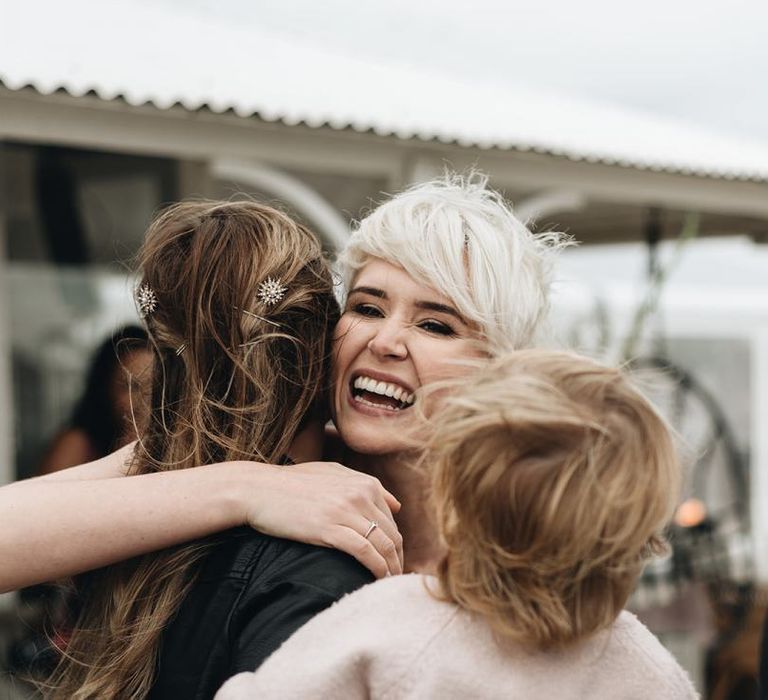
239	307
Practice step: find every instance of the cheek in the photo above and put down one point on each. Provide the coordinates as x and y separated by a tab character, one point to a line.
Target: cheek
340	347
344	351
349	339
441	360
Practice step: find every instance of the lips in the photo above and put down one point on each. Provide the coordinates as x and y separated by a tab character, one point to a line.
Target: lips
377	391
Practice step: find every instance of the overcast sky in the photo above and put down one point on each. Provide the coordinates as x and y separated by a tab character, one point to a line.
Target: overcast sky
699	60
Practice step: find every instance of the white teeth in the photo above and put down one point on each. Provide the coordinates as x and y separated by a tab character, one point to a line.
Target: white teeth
360	399
383	389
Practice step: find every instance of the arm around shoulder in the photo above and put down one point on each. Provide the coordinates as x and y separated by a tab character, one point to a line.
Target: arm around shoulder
75	520
90	516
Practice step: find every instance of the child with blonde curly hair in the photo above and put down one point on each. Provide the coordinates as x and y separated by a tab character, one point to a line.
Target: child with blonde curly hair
552	478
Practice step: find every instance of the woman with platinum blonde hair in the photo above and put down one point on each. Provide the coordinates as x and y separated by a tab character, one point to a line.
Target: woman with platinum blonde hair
551	478
438	276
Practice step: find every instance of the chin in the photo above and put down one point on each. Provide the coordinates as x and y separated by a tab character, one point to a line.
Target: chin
377	443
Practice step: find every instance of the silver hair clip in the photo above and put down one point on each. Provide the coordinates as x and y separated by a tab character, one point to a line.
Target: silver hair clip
261	318
146	299
271	290
181	349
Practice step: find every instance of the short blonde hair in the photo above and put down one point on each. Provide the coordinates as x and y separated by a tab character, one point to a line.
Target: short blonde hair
552	477
458	236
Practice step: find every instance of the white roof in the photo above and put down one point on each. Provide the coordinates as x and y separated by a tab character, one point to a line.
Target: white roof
162	55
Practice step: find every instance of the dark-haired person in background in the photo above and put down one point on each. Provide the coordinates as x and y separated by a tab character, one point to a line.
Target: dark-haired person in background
101	422
102	419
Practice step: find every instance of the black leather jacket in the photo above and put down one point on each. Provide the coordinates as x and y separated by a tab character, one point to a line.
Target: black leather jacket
253	592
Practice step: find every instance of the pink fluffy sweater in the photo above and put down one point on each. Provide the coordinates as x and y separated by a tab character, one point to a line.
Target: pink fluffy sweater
393	640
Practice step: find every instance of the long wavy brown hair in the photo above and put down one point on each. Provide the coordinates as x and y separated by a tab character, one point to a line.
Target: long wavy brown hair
234	377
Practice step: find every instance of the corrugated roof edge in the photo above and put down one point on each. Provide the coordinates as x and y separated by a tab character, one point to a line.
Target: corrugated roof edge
462	142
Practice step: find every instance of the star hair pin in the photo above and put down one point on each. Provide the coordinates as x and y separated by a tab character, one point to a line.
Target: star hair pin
271	290
146	300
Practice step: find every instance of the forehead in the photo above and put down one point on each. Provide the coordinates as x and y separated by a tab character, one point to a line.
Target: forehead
396	282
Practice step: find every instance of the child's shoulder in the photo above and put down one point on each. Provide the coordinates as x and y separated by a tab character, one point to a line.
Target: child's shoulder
397	598
405	589
647	652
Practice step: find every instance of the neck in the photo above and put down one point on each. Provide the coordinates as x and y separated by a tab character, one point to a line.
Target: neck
307	446
415	521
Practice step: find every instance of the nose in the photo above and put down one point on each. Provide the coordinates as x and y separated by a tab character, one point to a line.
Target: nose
389	341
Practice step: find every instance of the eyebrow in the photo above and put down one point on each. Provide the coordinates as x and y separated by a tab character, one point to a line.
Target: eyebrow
425	305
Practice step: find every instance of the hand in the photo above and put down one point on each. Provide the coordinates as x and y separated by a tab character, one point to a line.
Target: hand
328	504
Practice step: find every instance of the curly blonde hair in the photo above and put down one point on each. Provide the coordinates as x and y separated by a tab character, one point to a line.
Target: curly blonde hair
552	477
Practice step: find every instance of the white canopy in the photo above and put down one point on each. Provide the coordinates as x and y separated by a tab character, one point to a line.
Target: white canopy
163	55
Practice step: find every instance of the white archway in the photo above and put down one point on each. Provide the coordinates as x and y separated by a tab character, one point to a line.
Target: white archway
331	225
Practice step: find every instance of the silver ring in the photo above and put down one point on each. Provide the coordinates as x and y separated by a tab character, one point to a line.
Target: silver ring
370	529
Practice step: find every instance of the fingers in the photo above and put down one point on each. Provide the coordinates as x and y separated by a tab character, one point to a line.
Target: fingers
380	552
385	544
324	468
383	516
348	540
392	503
356	499
388	528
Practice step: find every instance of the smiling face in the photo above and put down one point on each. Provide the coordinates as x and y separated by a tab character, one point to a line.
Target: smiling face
395	336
